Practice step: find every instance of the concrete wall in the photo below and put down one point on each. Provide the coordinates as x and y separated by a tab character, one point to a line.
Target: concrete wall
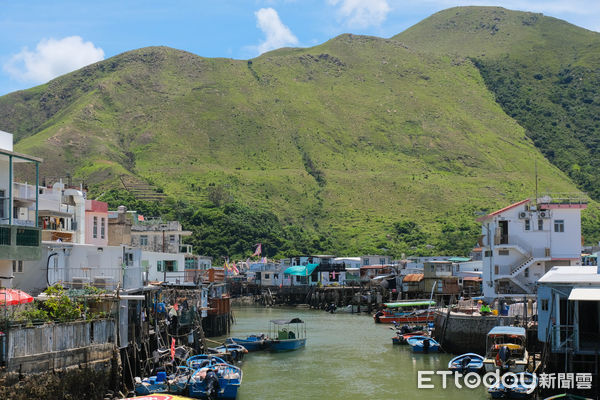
6	141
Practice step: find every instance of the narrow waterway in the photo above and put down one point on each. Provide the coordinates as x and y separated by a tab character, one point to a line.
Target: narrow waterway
346	357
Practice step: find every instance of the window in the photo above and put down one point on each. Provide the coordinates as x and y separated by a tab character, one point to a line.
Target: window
496	270
159	266
559	225
526	273
266	276
544	304
171	265
95	230
527	225
382	261
540	224
17	266
503	252
172	238
144	240
275	276
102	228
366	261
488	253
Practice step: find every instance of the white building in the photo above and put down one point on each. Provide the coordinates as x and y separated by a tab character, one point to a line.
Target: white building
523	241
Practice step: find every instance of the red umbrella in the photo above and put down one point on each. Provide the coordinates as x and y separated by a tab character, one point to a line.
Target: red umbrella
12	297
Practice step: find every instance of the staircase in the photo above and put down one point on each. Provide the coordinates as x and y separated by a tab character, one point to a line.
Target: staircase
141	190
521	267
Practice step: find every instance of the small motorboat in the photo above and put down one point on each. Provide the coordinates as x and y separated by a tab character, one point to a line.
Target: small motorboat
290	334
401	338
161	383
252	342
423	344
231	353
468	362
213	378
519	386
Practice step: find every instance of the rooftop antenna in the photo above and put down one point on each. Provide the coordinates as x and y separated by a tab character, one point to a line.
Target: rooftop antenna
536	184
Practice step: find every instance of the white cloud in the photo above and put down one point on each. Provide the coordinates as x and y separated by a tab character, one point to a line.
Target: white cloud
52	58
276	33
362	13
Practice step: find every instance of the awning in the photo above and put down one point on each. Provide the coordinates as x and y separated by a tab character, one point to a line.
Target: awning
585	294
459	259
301	270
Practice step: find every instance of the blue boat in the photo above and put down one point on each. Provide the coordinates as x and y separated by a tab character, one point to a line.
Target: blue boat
231	353
423	344
522	388
252	342
290	334
468	362
213	378
161	383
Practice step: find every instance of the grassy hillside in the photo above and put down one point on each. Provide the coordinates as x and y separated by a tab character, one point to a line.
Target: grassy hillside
544	72
351	141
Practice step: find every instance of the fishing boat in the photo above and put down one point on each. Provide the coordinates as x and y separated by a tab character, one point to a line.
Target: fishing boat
231	353
401	338
518	386
289	334
252	342
423	344
161	383
213	378
406	312
468	362
506	349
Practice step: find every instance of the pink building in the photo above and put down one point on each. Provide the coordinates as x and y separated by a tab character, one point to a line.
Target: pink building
96	222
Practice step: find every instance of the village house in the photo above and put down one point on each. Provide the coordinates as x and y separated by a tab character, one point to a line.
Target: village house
523	241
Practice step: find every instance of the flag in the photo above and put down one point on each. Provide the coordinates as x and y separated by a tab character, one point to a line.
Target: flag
258	250
236	271
264	260
172	349
140	217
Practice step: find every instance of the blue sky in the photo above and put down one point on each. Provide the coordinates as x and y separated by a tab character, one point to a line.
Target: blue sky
43	39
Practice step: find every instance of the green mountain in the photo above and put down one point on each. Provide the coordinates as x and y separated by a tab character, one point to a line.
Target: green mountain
544	72
360	144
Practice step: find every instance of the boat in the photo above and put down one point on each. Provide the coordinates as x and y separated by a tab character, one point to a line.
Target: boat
252	342
213	378
567	396
423	344
231	353
506	349
290	334
522	388
158	396
401	338
468	362
406	312
175	383
350	308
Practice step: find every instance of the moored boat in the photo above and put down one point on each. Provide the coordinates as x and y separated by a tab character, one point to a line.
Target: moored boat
252	342
231	353
406	312
289	334
517	386
161	383
213	378
401	338
506	349
423	344
468	362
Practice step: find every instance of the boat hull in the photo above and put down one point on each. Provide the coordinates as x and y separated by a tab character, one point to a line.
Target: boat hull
405	319
287	344
251	345
474	365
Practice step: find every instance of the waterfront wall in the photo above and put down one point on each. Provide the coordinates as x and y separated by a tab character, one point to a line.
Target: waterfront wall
87	344
464	333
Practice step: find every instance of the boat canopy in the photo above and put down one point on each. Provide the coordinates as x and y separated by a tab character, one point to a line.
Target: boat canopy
301	270
410	304
507	330
287	321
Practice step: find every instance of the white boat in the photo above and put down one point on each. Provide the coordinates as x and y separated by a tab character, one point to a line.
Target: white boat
506	350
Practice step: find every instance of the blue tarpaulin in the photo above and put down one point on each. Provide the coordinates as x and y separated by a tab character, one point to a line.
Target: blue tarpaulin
301	270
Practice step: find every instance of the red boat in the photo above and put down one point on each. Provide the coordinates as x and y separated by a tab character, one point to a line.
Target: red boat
397	312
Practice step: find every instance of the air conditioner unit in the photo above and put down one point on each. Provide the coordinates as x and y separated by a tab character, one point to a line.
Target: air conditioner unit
522	215
544	214
79	282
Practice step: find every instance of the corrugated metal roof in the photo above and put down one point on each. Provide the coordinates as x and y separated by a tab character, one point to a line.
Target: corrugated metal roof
413	278
585	294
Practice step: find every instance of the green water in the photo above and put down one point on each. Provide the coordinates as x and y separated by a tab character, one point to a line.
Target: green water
346	357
